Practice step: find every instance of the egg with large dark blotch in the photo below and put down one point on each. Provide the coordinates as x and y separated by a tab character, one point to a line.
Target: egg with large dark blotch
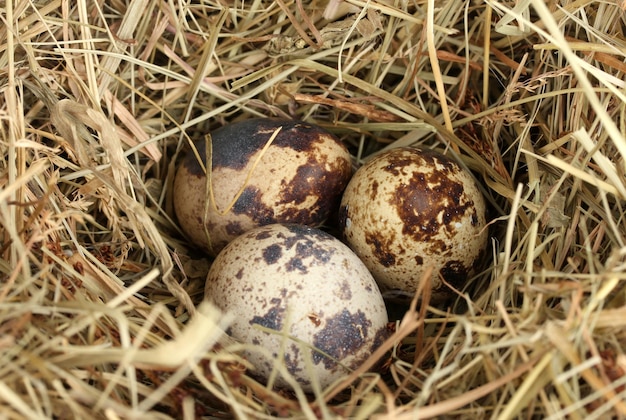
262	171
302	301
409	209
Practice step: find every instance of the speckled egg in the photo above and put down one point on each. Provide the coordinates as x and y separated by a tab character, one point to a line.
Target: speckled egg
298	292
408	209
263	171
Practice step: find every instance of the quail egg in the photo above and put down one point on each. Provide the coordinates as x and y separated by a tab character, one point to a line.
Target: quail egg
304	297
408	209
262	171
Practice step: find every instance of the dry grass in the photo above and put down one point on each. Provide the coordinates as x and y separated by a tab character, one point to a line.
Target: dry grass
100	312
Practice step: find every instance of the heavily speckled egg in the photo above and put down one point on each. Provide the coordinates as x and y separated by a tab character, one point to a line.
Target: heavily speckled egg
408	209
298	178
323	307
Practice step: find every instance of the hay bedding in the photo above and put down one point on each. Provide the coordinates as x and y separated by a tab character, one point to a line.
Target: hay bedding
100	312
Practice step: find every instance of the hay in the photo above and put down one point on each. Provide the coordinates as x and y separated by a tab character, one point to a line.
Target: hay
100	299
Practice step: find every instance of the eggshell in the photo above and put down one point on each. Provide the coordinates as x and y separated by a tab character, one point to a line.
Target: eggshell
298	178
311	290
408	209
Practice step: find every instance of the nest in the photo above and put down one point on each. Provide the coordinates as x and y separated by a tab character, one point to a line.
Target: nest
101	312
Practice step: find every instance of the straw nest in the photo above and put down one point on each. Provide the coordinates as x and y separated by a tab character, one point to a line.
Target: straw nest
101	312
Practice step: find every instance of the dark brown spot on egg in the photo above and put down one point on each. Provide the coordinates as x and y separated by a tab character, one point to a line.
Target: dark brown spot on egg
308	243
344	292
232	145
293	364
397	164
431	202
263	234
313	179
251	204
296	264
344	334
380	249
438	246
300	136
374	190
273	319
310	249
234	228
272	254
381	335
304	183
191	164
308	233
